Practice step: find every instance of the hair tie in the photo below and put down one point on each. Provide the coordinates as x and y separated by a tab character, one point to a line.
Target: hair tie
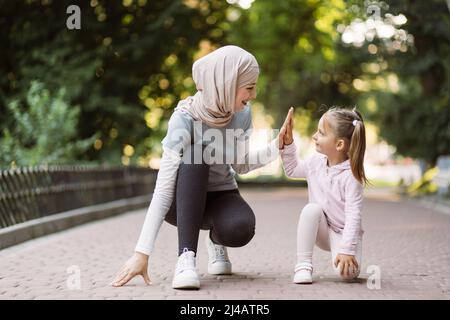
354	122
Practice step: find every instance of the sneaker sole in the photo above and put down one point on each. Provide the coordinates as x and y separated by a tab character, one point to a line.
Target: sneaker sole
219	270
303	281
186	284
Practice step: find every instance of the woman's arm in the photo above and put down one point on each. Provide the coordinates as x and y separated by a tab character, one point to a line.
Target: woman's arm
137	264
161	200
254	159
177	138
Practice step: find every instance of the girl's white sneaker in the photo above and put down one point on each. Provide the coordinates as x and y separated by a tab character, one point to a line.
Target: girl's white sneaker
303	273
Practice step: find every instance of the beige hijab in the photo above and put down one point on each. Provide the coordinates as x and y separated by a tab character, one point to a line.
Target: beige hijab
217	76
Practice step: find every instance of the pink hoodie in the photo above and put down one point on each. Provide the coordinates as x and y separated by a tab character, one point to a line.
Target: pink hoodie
335	189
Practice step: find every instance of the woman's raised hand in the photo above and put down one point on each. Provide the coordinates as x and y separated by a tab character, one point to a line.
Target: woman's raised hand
136	265
286	137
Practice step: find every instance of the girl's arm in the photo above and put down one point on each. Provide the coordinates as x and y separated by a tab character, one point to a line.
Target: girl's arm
293	166
353	208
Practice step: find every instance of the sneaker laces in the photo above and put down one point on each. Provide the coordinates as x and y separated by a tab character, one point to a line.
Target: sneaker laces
186	261
220	253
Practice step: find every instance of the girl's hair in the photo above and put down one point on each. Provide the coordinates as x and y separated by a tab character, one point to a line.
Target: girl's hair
349	124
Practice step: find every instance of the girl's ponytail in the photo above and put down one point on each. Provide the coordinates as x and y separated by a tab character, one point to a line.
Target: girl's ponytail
350	124
358	148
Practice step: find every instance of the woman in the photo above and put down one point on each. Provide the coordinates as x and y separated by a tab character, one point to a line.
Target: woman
195	189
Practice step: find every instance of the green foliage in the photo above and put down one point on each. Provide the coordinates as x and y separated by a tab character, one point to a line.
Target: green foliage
421	109
298	48
42	132
121	48
131	63
415	118
425	184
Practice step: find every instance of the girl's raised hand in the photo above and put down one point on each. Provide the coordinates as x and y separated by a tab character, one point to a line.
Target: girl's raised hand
286	137
136	265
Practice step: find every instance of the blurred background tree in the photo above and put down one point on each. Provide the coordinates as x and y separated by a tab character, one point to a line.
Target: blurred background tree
131	62
416	117
37	136
297	46
403	49
126	68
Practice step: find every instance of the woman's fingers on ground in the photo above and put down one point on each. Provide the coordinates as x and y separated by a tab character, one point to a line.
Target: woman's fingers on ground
125	279
120	271
117	276
120	276
146	278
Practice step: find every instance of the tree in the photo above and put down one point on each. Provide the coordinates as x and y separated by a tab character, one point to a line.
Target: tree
417	119
410	88
126	53
43	131
298	49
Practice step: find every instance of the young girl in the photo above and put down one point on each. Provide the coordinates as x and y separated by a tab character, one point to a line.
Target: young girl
335	176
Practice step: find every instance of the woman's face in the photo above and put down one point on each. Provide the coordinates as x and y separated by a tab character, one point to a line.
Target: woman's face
244	95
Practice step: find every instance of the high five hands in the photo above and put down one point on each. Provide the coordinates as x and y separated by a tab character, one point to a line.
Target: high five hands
285	137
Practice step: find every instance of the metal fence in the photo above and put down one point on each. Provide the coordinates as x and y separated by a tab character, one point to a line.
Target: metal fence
33	192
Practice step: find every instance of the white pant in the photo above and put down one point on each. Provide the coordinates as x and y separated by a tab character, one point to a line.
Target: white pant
313	229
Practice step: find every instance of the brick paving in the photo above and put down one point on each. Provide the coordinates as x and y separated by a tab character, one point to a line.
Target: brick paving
407	242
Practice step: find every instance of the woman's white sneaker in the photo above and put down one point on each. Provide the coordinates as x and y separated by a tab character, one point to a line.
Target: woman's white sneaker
218	261
186	276
303	273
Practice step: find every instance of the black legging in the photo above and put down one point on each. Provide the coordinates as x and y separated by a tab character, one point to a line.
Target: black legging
225	213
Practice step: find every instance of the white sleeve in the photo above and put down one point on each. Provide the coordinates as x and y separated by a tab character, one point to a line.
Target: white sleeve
161	200
254	159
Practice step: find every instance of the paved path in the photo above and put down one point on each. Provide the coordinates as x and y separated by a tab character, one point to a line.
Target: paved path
407	243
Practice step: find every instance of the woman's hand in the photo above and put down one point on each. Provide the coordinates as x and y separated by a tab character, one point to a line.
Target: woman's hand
286	137
136	265
348	264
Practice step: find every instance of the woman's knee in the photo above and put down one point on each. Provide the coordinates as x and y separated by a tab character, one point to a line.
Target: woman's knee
236	233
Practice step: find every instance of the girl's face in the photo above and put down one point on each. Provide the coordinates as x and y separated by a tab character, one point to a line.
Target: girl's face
244	95
325	139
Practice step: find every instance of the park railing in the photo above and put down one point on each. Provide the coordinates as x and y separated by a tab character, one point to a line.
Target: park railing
33	192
